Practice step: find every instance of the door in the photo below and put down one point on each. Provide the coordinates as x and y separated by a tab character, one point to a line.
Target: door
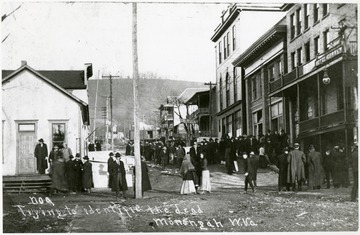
25	149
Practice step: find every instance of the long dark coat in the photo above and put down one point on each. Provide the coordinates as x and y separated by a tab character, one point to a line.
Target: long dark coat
70	174
111	163
296	170
119	177
41	152
59	181
87	178
77	168
250	167
145	181
315	169
283	169
339	169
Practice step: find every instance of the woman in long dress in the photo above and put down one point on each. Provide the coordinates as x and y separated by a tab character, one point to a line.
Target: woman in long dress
87	178
187	172
205	185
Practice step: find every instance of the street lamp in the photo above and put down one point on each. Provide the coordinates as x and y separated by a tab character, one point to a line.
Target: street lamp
326	78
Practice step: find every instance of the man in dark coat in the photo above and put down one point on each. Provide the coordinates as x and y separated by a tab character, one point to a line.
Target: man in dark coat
97	146
327	165
296	171
119	174
59	182
250	171
339	167
128	149
110	163
354	158
41	153
70	174
91	147
87	177
164	157
78	168
315	170
283	169
145	180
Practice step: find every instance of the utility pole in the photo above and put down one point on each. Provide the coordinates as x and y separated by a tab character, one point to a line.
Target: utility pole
97	85
210	106
111	110
138	190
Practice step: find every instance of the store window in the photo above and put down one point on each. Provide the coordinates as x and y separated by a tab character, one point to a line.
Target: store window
58	134
257	120
277	116
308	99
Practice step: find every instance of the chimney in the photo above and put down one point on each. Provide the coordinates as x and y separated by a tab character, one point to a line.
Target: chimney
23	63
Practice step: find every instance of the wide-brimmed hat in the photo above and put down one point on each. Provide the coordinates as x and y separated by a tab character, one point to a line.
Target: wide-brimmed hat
118	155
86	158
41	140
71	156
111	154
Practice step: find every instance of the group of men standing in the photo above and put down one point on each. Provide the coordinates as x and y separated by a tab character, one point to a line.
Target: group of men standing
68	173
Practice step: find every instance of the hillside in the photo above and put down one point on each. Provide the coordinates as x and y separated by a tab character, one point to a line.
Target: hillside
152	93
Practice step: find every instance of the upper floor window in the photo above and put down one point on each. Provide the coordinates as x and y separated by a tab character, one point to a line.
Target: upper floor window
220	56
299	56
307	51
227	44
306	16
292	26
271	73
316	46
293	60
298	21
225	50
326	39
234	37
235	89
227	90
316	12
221	93
325	9
256	86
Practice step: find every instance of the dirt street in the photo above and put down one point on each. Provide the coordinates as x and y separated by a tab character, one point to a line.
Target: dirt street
226	209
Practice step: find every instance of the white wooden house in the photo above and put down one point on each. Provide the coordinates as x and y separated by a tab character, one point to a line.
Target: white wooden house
52	105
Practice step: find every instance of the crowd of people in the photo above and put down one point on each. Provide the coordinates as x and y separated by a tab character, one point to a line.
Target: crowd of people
68	173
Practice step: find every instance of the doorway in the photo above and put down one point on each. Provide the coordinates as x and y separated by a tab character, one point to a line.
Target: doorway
26	141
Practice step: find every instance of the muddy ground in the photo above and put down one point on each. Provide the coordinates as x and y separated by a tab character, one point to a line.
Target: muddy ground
225	209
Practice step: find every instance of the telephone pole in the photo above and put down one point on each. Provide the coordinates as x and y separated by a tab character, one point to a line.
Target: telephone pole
138	191
210	106
111	110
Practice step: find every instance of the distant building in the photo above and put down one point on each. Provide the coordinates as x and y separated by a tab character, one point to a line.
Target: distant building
51	105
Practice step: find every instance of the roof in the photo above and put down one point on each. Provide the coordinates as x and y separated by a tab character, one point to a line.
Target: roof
84	105
188	93
67	79
193	99
273	35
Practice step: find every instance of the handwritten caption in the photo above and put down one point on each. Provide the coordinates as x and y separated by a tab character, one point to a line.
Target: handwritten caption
129	211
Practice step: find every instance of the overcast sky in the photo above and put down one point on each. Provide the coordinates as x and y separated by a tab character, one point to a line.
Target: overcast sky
173	39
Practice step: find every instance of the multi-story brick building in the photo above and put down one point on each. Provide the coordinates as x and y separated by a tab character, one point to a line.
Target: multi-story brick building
320	88
230	94
263	63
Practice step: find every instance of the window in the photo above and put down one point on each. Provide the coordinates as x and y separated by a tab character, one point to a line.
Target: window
228	124
220	56
316	12
235	89
257	121
279	68
293	60
227	90
254	88
259	80
306	16
271	73
234	37
223	126
299	56
58	133
316	46
298	21
326	39
221	93
308	108
292	26
325	9
332	99
227	44
225	50
276	116
237	123
307	51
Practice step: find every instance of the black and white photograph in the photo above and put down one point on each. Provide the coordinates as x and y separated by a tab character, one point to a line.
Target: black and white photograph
179	116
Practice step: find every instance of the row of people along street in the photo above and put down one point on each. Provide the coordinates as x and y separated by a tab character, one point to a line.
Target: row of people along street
295	168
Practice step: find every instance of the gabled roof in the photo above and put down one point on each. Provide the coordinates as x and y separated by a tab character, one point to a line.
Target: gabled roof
188	93
84	105
67	79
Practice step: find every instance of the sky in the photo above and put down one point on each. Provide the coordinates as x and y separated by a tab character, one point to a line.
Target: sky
173	38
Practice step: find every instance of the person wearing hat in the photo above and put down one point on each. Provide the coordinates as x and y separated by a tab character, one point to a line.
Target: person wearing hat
111	161
164	156
77	168
339	168
296	170
250	171
119	177
59	181
70	174
314	164
283	167
327	166
41	154
87	177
